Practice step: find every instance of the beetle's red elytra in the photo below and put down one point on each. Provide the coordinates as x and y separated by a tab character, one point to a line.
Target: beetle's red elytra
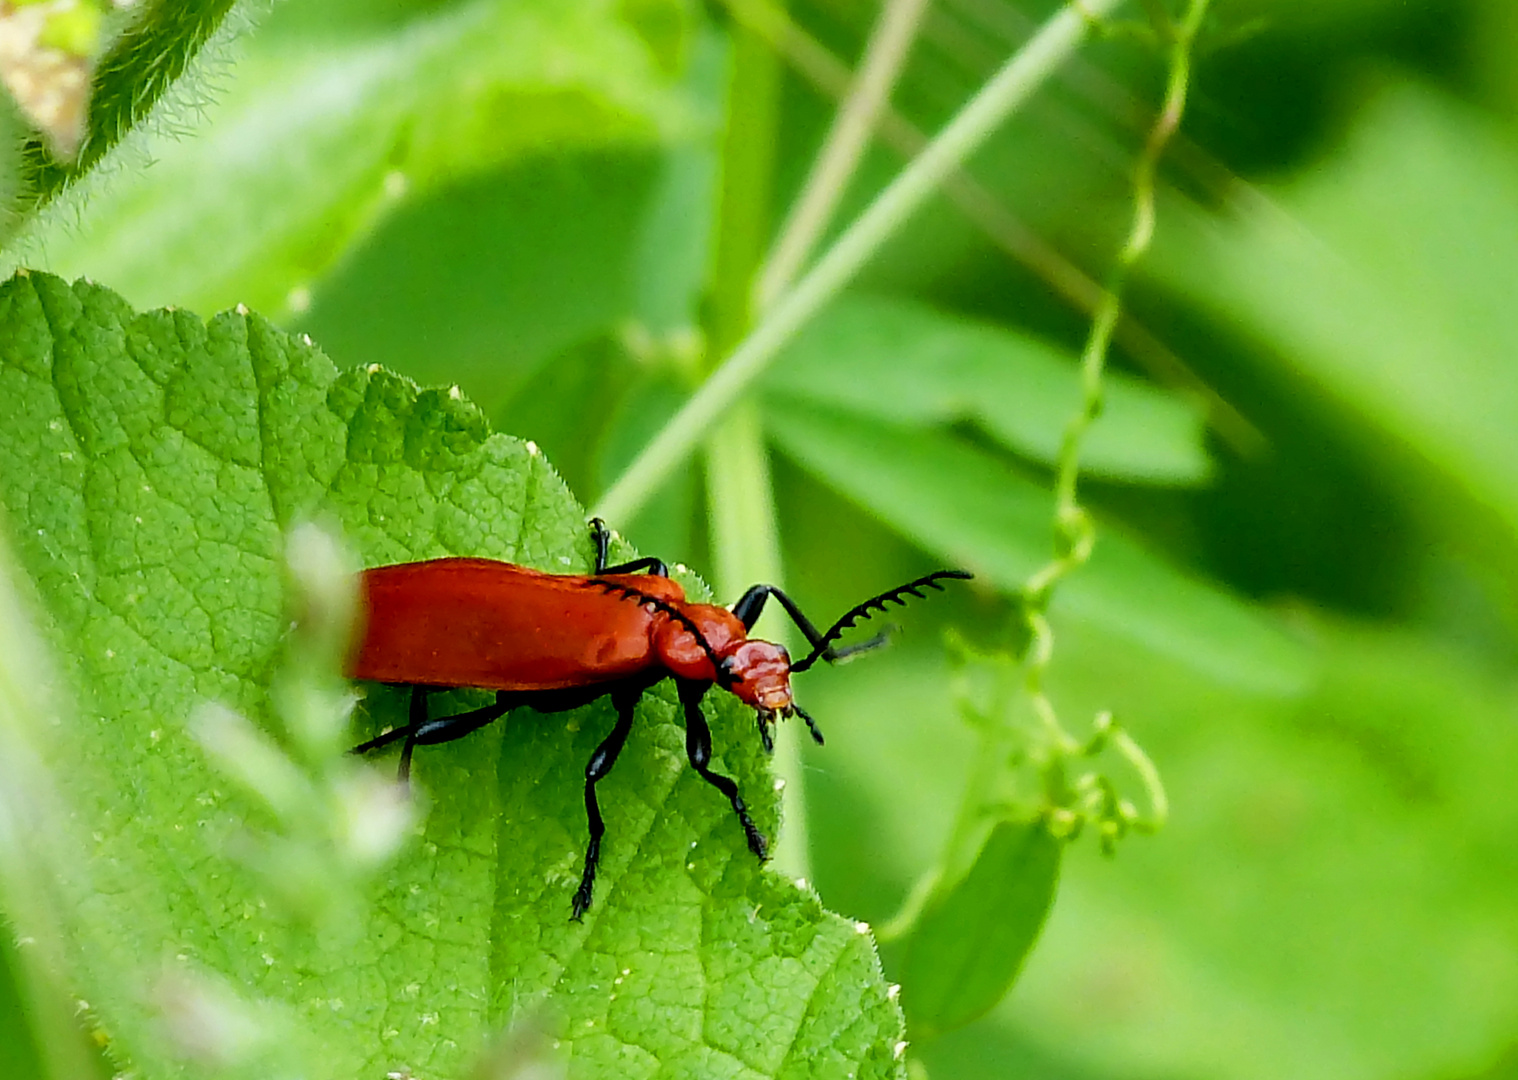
559	641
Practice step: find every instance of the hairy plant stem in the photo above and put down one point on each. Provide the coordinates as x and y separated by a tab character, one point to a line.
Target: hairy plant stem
1008	89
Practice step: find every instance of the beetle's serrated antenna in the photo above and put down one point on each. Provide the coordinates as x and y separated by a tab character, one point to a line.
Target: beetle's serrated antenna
873	604
725	677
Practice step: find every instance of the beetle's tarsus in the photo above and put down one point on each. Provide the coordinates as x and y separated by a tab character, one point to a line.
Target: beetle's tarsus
583	894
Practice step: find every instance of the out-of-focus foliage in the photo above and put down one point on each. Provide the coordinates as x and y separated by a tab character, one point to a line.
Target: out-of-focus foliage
324	132
1305	611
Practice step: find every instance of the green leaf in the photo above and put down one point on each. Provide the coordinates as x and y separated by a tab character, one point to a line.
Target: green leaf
150	465
1383	278
971	510
318	139
1358	926
906	363
971	940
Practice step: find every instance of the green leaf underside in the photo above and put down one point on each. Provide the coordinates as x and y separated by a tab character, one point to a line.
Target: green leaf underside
149	465
972	510
971	942
310	146
904	362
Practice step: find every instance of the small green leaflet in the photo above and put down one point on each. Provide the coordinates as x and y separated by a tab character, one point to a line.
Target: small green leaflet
972	938
150	467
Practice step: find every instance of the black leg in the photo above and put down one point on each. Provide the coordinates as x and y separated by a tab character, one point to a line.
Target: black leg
655	567
447	728
698	748
766	736
378	741
751	604
418	718
624	701
601	536
420	731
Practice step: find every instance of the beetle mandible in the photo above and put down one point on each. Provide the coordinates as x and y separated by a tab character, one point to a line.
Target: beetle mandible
559	641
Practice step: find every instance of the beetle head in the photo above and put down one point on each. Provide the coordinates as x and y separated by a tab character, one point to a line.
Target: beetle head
762	673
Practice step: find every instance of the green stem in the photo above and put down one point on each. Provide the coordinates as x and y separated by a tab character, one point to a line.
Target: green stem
1074	533
746	547
1008	89
740	500
743	210
1074	539
830	77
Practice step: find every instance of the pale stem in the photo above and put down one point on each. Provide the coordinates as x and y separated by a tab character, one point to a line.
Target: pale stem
741	511
1007	90
833	168
830	76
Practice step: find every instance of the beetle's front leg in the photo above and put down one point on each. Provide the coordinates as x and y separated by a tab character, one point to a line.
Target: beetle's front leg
698	748
601	536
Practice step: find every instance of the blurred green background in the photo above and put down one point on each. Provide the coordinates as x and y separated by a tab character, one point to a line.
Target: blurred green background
1304	602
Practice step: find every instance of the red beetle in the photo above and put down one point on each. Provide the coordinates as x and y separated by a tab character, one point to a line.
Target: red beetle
559	641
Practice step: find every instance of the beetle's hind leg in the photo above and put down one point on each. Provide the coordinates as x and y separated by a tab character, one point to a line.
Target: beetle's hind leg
698	748
417	718
420	731
596	769
426	732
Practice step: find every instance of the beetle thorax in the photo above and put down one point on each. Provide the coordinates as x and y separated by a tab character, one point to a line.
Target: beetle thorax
757	672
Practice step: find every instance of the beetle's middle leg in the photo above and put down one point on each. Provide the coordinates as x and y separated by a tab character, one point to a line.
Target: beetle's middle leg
596	769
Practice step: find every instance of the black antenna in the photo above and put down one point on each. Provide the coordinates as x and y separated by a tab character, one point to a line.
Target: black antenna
865	610
724	676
